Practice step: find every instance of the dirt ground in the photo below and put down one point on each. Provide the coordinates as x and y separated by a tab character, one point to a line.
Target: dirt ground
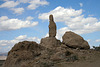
86	58
81	64
93	60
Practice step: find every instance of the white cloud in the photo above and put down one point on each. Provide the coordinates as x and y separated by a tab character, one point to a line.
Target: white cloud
18	39
24	37
13	24
36	3
3	44
81	4
33	4
18	10
62	13
98	40
61	32
74	20
21	37
8	44
9	4
29	18
2	18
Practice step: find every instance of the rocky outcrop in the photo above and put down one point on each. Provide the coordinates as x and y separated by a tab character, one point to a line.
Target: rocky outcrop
22	53
74	41
31	54
50	42
52	27
49	52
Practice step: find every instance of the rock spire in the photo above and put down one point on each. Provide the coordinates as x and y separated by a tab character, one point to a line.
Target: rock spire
52	27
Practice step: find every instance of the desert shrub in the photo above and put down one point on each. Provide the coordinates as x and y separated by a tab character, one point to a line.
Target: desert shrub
96	48
72	58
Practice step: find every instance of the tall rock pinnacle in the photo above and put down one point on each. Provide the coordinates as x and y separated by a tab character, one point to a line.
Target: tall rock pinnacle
52	27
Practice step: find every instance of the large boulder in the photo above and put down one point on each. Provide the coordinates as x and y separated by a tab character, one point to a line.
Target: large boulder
74	41
22	53
50	42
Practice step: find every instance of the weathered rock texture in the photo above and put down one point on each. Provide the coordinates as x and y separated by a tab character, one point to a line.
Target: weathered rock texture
22	53
50	52
31	54
50	42
52	27
74	41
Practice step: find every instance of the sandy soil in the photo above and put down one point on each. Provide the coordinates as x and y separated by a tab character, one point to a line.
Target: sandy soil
92	61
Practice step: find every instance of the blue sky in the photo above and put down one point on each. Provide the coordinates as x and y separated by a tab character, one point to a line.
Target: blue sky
28	20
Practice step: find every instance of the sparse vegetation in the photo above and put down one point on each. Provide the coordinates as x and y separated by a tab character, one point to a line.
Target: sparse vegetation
96	48
72	58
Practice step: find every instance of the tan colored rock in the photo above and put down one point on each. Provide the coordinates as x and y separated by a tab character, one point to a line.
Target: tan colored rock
75	41
52	53
52	27
50	42
22	53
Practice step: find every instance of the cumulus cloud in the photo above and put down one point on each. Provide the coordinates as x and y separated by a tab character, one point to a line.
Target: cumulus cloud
13	24
62	13
36	3
18	10
12	5
81	4
73	19
29	18
2	18
9	4
11	43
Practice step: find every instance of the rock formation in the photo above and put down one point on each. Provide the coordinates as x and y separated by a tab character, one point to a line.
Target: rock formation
22	53
52	27
75	41
50	42
50	52
31	54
